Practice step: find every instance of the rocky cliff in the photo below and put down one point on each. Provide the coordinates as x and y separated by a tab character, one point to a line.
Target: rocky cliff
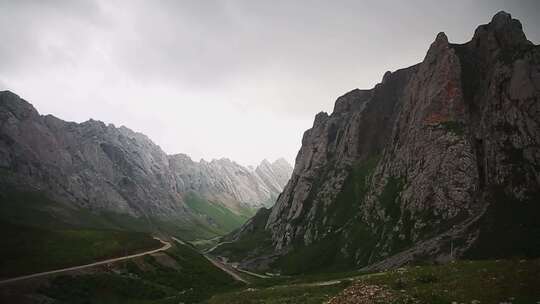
99	167
440	160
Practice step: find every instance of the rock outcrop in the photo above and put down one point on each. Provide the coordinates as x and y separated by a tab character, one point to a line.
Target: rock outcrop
104	168
440	160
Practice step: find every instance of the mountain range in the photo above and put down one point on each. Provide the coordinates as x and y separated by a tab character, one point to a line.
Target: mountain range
439	161
96	169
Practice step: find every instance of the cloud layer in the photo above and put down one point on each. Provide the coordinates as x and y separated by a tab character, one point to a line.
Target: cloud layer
237	79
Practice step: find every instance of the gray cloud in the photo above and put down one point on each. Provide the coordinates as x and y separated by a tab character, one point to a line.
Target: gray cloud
241	79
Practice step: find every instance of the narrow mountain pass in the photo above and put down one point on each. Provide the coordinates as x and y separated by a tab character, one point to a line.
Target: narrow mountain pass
230	265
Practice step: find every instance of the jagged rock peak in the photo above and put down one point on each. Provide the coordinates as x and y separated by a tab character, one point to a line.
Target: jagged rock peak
386	76
265	162
181	157
441	38
501	19
19	107
321	116
502	30
281	162
353	100
223	160
440	45
275	174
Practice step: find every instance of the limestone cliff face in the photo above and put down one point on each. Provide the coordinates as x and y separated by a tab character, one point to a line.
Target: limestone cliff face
358	128
439	160
101	167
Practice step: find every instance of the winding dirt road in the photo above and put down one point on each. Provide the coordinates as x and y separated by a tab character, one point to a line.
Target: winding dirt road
224	267
218	264
166	245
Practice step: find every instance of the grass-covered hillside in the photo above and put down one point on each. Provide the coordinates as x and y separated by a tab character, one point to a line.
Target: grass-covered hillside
39	234
222	220
248	244
179	275
33	208
27	250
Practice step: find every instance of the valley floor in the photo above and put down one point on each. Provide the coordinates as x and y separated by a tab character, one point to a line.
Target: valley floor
178	274
181	274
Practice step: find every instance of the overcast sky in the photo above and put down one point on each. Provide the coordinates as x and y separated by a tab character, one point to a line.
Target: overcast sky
236	79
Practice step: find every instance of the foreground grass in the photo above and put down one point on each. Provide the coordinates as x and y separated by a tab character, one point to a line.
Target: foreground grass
310	294
27	250
510	281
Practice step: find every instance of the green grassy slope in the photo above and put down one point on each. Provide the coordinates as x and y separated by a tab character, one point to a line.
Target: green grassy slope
493	281
39	234
27	250
181	275
256	241
222	219
34	208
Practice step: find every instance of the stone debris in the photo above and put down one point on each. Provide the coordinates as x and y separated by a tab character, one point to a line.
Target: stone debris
360	293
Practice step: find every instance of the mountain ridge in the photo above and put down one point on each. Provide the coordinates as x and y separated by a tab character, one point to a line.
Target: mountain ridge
100	167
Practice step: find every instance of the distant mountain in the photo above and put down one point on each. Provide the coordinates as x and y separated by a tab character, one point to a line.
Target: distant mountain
225	181
98	168
440	160
274	175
